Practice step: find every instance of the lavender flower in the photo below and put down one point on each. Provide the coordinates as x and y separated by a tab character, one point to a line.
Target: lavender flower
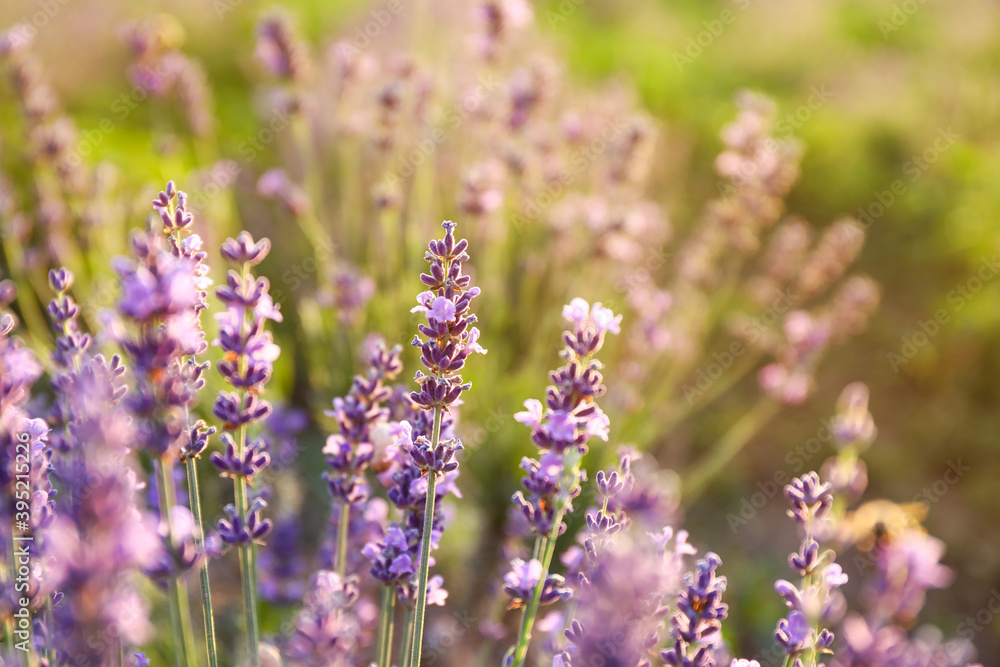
817	599
281	50
520	583
451	338
163	295
102	539
619	607
325	636
249	353
282	563
695	626
358	415
561	430
248	357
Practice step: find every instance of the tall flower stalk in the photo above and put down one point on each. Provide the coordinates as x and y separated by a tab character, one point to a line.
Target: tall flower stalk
561	430
163	293
170	204
349	451
249	352
451	338
816	599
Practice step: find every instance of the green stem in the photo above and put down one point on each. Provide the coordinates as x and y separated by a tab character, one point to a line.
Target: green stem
738	435
407	638
180	617
425	549
246	550
247	567
567	482
385	626
206	591
528	619
345	519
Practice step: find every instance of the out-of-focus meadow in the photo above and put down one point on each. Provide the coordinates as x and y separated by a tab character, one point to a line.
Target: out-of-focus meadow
896	105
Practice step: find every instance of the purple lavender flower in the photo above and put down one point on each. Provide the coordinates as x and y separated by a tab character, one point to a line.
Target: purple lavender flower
249	528
451	338
359	415
700	612
248	465
102	539
817	599
243	250
520	583
325	635
561	430
620	606
393	558
249	353
282	563
570	418
281	50
163	294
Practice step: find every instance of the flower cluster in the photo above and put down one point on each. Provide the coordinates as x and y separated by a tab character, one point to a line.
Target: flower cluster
163	292
569	419
519	584
903	562
396	557
249	353
451	336
99	538
324	635
359	415
817	600
695	625
854	431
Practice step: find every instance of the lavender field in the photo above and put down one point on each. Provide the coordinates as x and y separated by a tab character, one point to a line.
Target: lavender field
569	333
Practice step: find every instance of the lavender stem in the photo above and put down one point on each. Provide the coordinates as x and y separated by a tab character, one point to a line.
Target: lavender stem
386	623
206	591
177	590
342	538
728	446
247	564
425	548
520	652
407	638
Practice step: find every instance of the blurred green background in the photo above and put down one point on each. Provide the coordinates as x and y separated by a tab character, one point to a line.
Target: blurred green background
895	80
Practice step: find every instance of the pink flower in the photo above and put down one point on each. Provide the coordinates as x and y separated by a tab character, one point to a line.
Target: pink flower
532	417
